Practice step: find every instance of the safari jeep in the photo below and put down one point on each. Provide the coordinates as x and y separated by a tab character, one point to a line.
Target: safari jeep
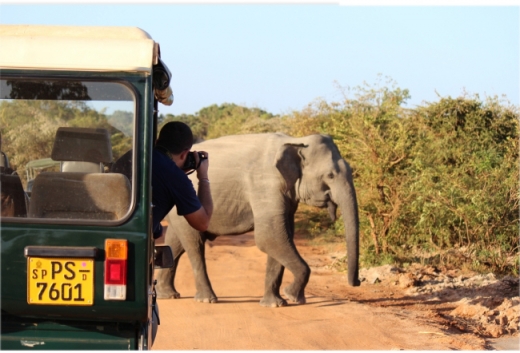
77	253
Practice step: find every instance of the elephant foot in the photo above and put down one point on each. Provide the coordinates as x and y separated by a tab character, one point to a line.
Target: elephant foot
295	298
273	302
354	283
206	298
167	294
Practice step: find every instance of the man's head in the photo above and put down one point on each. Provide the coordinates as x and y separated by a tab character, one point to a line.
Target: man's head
175	137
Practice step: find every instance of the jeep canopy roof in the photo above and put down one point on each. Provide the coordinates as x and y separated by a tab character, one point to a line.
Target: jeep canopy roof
77	48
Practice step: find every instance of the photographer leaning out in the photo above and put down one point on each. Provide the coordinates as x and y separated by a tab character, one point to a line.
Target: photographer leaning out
171	160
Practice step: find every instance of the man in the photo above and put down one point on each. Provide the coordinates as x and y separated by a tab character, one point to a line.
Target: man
170	185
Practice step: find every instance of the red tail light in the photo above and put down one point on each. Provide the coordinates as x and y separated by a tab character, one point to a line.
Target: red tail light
116	259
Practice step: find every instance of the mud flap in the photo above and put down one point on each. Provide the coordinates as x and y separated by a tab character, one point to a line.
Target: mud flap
155	315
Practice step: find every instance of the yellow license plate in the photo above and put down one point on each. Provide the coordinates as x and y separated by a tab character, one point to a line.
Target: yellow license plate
60	281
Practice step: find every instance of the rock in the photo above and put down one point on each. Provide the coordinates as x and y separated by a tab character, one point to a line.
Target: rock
495	330
407	280
378	274
466	308
483	304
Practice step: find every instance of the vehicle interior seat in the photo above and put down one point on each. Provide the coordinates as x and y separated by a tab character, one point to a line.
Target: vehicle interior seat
84	150
101	196
81	190
85	167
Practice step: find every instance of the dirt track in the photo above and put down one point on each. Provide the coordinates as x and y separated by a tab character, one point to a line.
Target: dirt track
336	316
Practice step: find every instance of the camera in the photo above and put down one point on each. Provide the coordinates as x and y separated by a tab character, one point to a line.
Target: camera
190	163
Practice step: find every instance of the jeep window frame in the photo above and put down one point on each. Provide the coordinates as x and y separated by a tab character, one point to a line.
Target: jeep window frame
130	81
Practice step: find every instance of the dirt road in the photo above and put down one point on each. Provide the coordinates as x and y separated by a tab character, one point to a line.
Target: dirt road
336	316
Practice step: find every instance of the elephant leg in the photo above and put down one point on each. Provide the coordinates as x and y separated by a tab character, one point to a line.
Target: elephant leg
165	286
282	250
273	281
301	271
296	290
194	243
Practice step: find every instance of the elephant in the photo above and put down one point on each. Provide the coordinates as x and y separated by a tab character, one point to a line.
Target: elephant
257	182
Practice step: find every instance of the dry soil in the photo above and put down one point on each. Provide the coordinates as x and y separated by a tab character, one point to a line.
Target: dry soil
417	308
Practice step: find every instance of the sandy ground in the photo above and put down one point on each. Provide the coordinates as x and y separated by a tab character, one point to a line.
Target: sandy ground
374	316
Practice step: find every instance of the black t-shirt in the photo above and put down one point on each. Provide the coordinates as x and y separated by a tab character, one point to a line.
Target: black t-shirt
170	187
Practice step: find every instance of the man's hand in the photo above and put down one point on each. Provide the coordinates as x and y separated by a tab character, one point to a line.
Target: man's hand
202	170
200	218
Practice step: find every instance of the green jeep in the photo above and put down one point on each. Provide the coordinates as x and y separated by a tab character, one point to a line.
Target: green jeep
77	253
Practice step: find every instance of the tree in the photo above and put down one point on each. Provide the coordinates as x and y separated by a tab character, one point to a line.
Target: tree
466	178
440	176
227	119
29	127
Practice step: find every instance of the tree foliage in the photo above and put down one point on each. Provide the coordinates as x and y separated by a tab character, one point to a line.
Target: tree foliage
29	127
466	178
441	176
227	119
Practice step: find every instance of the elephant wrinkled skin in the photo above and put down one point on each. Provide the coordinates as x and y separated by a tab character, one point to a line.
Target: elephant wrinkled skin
257	182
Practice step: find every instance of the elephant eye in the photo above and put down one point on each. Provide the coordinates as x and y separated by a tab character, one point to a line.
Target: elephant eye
330	175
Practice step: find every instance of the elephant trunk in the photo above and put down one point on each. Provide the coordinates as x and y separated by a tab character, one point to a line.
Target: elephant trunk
347	202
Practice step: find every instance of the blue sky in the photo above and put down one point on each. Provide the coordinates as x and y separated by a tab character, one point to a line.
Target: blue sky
281	57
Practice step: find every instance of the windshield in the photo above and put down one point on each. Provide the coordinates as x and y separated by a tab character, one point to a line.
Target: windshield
60	140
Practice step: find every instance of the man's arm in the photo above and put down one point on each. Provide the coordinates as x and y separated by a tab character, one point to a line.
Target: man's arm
200	218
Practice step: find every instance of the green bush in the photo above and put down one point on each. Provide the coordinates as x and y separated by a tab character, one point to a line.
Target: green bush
441	176
436	184
227	119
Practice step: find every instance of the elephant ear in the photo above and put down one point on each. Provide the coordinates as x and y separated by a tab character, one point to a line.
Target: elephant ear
288	161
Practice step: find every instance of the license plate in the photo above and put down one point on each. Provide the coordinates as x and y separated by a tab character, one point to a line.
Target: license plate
60	281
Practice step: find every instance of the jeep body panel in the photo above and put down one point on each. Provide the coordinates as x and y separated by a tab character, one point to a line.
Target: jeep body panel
78	70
